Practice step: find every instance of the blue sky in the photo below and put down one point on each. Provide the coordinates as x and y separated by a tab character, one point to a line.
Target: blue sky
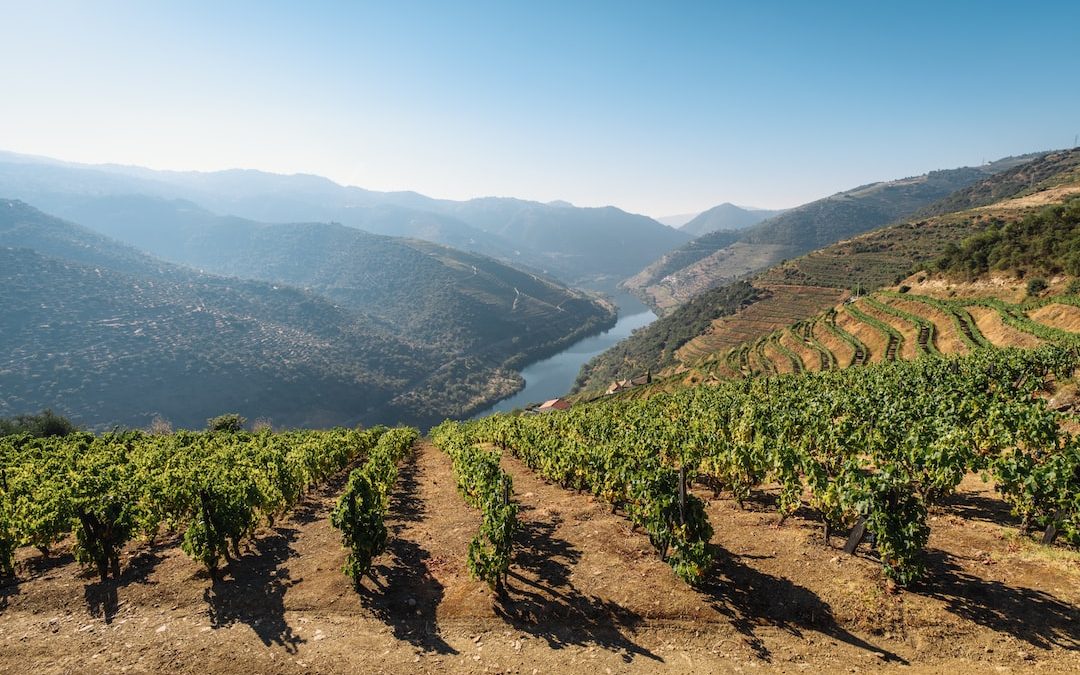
658	108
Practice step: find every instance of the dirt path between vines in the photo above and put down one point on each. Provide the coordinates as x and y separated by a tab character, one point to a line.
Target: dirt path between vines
586	593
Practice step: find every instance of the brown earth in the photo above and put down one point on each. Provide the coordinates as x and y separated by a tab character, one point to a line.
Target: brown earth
946	336
909	347
1064	317
1000	334
586	593
810	357
875	340
840	349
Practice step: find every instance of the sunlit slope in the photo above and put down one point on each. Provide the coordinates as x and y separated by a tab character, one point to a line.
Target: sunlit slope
722	257
799	289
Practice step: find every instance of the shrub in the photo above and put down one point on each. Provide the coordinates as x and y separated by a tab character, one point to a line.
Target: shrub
229	422
43	425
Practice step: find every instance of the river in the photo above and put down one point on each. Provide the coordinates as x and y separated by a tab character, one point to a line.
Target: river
555	375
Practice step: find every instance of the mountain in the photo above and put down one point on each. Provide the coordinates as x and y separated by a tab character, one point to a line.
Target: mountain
801	288
454	300
722	256
591	247
677	220
447	329
726	216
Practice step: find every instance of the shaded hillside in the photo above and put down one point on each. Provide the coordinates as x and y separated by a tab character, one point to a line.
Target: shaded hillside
23	226
726	217
449	329
108	348
460	303
714	258
596	247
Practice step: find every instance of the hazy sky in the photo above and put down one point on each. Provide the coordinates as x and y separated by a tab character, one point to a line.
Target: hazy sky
658	108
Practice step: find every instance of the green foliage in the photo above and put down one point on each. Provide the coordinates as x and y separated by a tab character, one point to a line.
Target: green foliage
105	499
485	486
109	489
883	442
1036	286
625	470
47	423
1046	242
361	509
227	423
359	516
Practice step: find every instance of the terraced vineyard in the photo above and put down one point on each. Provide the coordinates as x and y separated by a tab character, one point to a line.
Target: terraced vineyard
889	325
782	306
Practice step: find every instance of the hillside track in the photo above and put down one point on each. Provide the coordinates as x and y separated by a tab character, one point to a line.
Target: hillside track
586	592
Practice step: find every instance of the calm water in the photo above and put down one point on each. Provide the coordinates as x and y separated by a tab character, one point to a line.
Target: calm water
555	375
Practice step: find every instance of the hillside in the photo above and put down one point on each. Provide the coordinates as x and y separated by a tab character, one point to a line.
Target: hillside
457	302
720	257
652	348
591	247
421	331
987	291
108	348
800	288
726	216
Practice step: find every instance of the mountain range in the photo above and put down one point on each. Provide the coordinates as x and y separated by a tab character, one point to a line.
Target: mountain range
725	255
585	247
384	328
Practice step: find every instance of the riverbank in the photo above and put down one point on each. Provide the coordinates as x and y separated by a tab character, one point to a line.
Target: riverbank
554	376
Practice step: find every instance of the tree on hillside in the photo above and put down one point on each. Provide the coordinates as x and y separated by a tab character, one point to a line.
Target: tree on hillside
229	423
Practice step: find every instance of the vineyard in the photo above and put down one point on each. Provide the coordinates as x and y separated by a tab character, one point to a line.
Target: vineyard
543	524
889	325
614	529
215	488
875	447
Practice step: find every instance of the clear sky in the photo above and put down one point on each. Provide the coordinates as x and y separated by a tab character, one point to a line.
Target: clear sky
658	108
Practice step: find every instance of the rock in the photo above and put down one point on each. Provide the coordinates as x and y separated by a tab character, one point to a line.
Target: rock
411	602
1064	400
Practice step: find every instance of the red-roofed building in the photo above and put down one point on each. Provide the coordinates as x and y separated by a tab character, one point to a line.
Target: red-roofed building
554	404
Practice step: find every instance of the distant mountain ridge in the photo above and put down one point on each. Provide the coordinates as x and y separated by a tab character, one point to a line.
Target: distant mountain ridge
726	216
723	256
591	247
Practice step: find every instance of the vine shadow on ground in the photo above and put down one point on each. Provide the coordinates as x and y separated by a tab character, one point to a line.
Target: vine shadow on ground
253	591
970	506
9	587
750	598
101	596
406	594
1031	615
540	599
